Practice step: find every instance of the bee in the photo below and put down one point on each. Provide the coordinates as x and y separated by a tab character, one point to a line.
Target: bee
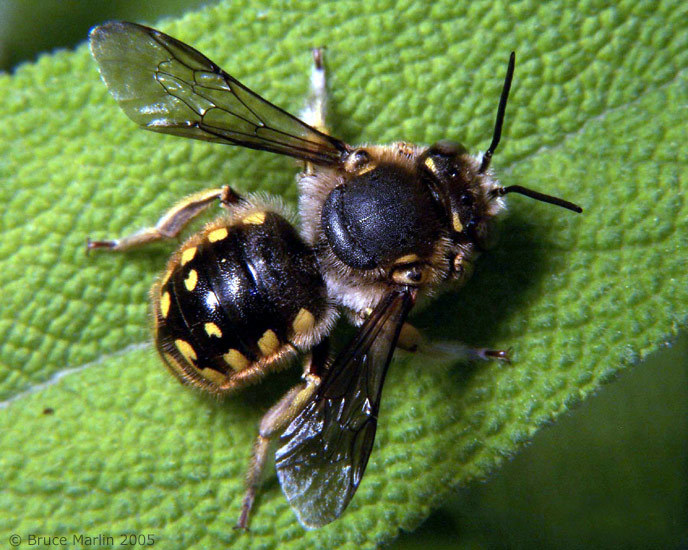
380	225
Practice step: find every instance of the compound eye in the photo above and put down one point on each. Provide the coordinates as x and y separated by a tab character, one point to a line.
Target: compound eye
443	160
358	161
446	148
361	156
411	275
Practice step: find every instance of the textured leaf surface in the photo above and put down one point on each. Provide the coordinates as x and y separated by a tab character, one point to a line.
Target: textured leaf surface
598	115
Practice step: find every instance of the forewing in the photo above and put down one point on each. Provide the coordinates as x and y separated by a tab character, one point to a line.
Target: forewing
324	451
167	86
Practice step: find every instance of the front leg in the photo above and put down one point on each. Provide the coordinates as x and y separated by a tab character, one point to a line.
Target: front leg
173	221
410	339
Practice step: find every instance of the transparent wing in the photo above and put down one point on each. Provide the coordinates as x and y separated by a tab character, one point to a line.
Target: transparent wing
166	86
324	451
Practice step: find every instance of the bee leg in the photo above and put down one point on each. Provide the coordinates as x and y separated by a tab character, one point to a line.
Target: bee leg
173	221
275	422
457	351
315	111
489	354
410	339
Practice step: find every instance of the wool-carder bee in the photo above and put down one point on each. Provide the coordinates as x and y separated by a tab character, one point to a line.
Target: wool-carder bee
380	224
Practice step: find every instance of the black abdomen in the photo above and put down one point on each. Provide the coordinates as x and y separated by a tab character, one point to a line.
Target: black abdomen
238	294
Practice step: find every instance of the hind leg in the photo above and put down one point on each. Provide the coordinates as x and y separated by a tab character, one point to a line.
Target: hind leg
173	221
276	421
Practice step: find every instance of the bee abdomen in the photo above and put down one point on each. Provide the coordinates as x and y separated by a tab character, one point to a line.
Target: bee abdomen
239	295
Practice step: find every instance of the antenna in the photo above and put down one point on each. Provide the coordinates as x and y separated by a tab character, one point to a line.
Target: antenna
500	191
487	157
500	114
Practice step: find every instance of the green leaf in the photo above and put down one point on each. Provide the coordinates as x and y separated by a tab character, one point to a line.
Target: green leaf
597	115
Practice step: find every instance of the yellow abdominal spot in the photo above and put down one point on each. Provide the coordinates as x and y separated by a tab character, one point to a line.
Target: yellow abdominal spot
165	304
211	329
218	234
236	360
214	376
257	218
188	255
268	343
186	350
191	280
304	321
